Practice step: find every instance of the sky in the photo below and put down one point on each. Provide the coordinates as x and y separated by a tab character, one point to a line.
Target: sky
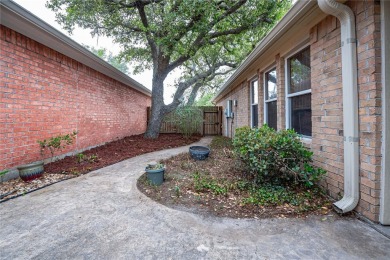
82	36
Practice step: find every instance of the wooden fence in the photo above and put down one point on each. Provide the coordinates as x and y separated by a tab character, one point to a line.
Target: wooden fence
211	124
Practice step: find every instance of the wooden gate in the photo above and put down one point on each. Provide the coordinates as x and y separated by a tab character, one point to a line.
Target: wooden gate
212	121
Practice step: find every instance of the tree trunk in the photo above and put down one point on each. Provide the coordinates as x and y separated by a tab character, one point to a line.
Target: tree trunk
155	121
157	110
193	94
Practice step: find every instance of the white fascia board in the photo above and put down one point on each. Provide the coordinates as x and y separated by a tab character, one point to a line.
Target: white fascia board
294	14
22	21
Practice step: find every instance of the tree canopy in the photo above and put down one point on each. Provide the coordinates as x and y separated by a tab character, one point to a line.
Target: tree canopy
108	56
204	39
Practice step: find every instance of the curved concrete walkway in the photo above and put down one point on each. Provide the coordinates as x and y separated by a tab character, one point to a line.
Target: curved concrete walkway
102	215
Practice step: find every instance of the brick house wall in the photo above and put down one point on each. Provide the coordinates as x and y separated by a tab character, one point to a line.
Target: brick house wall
44	93
327	117
326	102
241	111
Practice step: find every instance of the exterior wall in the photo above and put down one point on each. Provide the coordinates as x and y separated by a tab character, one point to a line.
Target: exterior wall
327	107
44	93
241	111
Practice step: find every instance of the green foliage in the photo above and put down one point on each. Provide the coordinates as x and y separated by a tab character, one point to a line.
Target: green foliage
56	143
80	157
205	100
3	172
277	157
203	183
106	55
204	40
83	158
274	195
188	120
155	166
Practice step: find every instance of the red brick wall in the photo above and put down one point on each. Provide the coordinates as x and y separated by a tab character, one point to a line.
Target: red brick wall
327	143
44	93
241	111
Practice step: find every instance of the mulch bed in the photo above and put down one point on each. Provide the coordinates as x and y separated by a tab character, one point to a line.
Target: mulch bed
94	159
178	190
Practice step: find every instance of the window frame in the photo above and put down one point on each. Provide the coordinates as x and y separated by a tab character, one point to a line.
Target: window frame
254	79
265	88
300	93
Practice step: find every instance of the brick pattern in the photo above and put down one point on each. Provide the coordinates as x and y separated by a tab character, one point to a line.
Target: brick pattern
327	122
370	115
241	111
327	103
44	93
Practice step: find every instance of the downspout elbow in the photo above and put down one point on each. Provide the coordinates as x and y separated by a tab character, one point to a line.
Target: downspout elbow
350	102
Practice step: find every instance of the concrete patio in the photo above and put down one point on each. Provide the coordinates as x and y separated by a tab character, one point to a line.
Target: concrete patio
102	215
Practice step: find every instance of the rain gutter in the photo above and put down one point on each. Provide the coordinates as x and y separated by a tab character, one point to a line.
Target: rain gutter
350	102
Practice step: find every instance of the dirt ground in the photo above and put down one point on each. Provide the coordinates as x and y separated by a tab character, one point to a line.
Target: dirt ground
94	159
180	191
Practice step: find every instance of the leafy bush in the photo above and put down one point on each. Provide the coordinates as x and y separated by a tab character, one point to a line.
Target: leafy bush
277	157
188	120
56	143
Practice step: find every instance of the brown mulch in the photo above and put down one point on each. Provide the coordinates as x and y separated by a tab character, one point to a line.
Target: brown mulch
178	190
94	159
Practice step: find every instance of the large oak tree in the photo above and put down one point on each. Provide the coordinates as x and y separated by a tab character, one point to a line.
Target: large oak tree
204	39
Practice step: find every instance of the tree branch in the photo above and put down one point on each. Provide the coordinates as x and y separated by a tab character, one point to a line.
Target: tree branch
144	20
134	4
238	29
206	75
199	42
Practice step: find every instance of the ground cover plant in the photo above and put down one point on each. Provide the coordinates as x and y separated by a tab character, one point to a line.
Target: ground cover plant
222	186
94	159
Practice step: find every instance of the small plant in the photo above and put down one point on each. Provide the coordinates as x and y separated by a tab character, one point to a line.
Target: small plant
93	158
56	143
80	157
155	166
3	172
177	191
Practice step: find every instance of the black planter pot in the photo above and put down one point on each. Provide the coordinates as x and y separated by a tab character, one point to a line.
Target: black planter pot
199	152
156	177
30	171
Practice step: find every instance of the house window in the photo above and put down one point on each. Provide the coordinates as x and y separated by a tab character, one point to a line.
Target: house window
254	103
299	92
270	97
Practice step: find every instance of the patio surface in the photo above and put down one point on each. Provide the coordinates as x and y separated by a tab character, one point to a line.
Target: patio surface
102	215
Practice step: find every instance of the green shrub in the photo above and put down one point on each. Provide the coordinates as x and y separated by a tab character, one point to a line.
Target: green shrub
188	120
56	143
277	157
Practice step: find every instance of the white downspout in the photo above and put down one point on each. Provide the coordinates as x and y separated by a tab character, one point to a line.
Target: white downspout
350	102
